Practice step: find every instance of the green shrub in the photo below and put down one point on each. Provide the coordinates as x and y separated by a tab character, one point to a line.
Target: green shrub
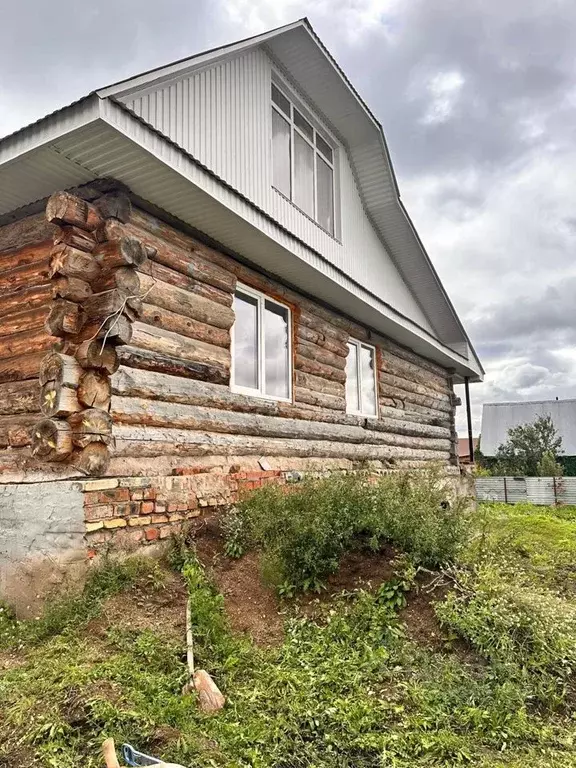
304	530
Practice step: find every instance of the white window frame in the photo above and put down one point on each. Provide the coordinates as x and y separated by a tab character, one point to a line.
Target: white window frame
359	344
317	153
261	298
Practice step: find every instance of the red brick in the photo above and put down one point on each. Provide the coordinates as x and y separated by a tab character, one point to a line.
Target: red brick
147	508
152	534
98	512
172	506
116	494
165	532
92	497
150	493
127	509
137	495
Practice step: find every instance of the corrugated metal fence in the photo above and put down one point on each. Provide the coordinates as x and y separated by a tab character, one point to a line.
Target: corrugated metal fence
536	490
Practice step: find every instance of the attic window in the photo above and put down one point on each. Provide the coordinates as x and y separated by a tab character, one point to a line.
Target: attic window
303	162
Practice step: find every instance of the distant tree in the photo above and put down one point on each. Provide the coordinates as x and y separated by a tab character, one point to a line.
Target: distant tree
549	467
530	448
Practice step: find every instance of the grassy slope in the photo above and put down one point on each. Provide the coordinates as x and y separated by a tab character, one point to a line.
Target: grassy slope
351	690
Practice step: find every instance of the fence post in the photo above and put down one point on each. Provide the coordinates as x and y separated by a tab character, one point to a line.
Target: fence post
555	496
505	491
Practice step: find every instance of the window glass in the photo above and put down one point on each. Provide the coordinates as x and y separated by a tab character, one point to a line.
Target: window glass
325	195
246	341
281	153
368	393
304	125
276	350
303	175
280	100
324	147
352	400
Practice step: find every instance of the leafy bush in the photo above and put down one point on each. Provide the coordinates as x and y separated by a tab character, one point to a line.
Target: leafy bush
304	530
526	447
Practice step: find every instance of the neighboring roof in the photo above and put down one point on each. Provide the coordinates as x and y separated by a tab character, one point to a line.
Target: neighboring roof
44	156
498	418
464	447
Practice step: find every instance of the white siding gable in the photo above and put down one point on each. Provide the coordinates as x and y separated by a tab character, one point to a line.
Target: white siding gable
221	115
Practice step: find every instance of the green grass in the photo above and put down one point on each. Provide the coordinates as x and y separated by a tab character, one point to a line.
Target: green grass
349	689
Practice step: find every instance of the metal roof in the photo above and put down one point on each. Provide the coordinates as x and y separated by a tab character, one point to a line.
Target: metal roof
498	418
97	136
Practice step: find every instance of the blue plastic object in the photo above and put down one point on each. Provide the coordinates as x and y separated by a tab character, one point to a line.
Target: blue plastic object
134	758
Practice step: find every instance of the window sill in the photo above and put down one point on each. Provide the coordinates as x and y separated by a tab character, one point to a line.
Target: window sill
306	215
373	416
259	395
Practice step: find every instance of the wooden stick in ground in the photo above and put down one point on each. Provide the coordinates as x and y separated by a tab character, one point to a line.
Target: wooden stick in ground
210	697
109	752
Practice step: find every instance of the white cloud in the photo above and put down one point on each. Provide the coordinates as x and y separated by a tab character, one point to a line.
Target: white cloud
443	92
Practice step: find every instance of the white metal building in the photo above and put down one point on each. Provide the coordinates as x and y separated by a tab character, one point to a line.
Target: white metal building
498	418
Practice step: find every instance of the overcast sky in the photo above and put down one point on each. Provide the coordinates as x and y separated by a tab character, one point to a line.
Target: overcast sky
478	103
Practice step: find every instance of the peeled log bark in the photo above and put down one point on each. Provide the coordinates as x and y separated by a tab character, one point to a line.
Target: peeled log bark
21	368
174	345
94	390
25	276
24	320
124	279
153	361
19	397
91	354
175	299
75	237
21	255
126	252
171	321
32	298
65	317
90	426
92	460
64	208
72	262
52	440
24	343
71	288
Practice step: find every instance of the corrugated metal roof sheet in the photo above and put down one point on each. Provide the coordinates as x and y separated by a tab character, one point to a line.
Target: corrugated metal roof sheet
498	418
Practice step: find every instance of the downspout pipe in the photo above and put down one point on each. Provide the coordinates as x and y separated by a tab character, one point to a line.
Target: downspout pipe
469	419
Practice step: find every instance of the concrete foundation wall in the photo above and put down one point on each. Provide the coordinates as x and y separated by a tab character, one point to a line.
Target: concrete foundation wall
42	545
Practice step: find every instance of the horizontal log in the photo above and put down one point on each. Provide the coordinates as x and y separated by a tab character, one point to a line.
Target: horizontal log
320	399
413	416
90	426
405	427
311	336
51	440
171	321
94	390
72	262
131	410
145	441
125	252
408	356
28	232
19	397
16	431
31	298
24	343
71	288
65	317
405	385
21	256
396	366
24	320
316	323
153	361
320	355
115	330
171	276
75	237
411	399
21	368
36	273
318	369
178	300
101	305
176	253
64	208
124	279
174	345
318	384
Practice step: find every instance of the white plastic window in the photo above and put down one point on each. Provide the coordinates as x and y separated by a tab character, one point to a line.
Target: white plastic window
361	379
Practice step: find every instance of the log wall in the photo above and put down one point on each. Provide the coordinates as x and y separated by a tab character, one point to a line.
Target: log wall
115	360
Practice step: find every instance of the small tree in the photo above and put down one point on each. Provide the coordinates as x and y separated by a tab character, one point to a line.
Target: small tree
530	448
